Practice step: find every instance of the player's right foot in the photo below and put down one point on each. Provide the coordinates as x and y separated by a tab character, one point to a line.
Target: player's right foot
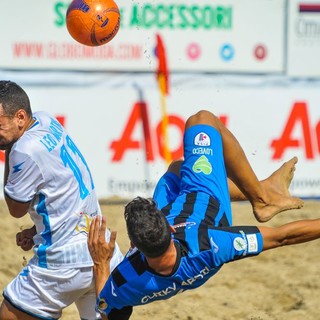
277	197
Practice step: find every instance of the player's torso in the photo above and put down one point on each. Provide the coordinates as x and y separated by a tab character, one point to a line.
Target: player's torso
133	283
191	214
55	177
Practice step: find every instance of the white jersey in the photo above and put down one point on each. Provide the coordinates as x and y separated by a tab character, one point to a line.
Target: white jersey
47	168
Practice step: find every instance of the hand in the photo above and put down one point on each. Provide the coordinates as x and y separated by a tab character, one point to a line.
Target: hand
24	238
100	250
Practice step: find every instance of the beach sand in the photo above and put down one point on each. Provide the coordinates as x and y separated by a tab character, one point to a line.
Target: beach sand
276	285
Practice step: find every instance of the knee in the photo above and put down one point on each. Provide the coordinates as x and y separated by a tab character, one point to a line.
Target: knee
4	311
203	117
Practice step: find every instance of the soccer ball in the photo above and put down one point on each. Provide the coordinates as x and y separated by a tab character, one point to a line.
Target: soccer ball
93	22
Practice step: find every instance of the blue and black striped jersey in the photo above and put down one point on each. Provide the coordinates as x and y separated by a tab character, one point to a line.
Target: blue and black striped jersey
197	205
202	255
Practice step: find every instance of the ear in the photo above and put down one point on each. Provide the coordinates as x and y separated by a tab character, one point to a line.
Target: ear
21	116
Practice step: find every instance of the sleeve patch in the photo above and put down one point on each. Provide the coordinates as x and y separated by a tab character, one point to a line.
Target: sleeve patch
252	243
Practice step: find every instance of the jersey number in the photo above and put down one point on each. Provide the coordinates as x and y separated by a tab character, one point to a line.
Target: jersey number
68	161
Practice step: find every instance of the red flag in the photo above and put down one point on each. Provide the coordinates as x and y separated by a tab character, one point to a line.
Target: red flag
163	81
162	71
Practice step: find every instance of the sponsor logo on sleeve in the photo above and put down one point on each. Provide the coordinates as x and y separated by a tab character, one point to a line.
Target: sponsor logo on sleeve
239	244
252	243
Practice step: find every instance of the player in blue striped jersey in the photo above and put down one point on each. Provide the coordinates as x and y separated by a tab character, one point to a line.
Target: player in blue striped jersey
184	235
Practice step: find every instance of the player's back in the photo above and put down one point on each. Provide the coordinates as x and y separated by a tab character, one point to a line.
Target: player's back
133	282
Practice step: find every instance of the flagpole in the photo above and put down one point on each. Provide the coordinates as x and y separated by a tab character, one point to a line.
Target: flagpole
162	76
165	121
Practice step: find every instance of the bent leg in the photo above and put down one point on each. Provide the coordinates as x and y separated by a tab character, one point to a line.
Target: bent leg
279	181
291	233
268	198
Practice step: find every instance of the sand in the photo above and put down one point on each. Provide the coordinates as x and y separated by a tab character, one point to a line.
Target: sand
276	285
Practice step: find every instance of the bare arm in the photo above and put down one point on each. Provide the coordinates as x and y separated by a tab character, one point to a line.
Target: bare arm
290	233
16	209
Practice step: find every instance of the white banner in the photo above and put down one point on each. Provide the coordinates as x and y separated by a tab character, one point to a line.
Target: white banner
199	35
118	128
304	38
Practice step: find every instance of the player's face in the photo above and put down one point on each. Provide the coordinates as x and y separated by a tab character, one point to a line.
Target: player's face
9	130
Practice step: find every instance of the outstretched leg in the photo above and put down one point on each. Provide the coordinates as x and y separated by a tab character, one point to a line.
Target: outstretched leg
268	197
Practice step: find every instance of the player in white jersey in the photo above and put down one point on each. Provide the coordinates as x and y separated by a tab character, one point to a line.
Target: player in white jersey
47	176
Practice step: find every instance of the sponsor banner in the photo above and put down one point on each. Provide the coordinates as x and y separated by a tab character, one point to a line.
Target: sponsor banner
119	130
199	35
303	38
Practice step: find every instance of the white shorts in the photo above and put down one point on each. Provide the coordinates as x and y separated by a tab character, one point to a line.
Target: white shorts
44	293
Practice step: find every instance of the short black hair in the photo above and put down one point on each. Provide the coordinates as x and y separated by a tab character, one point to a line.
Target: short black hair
13	98
148	228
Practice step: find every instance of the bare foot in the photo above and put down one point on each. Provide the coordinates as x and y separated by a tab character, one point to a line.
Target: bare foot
277	198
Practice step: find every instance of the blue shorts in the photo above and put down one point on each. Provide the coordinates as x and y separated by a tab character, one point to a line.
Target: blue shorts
203	180
198	205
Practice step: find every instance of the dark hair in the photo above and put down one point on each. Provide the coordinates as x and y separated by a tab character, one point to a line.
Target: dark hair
148	228
13	98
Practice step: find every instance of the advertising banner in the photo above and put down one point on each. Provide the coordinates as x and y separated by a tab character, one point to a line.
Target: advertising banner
199	35
119	130
303	38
